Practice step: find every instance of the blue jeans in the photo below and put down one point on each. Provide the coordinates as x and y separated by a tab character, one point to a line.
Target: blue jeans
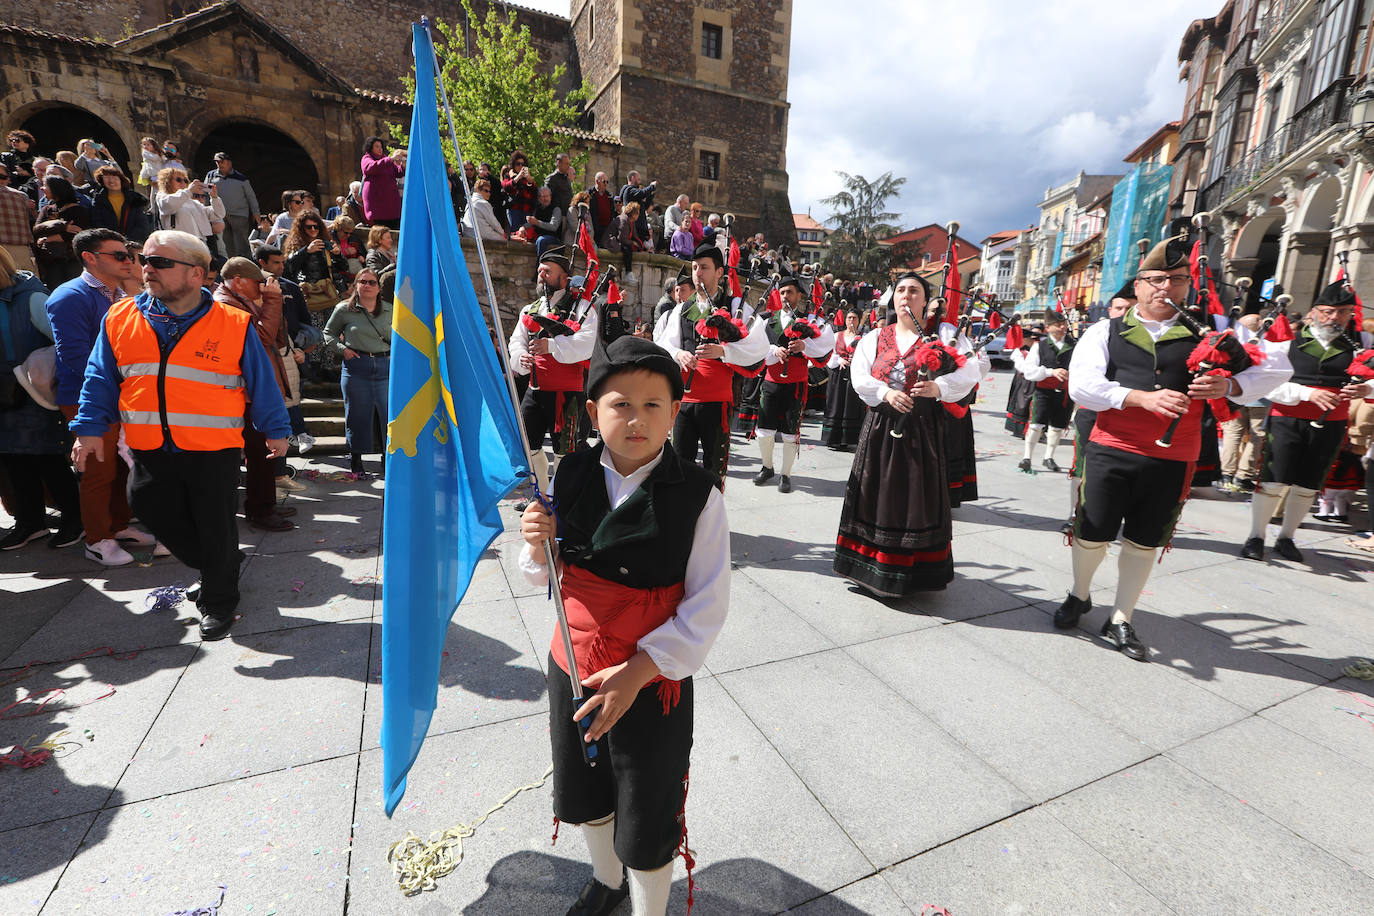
364	389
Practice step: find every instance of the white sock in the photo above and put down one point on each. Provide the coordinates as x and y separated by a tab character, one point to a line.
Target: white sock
649	890
1324	503
1052	438
789	455
606	865
1086	556
1340	501
1074	484
1295	509
1032	437
766	447
1132	571
1262	505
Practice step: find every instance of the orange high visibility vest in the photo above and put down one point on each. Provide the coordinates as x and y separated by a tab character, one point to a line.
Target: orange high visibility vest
194	392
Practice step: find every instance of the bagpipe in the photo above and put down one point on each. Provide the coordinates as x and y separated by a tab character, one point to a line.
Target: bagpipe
800	329
718	327
933	357
543	327
1361	369
1218	353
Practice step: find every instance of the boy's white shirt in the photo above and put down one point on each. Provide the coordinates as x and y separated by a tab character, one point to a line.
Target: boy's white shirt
679	646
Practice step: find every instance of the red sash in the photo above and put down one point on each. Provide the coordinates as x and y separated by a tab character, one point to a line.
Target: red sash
1306	410
556	376
713	383
607	620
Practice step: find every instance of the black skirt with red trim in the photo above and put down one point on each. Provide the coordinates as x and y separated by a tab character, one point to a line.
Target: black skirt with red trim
1019	405
895	526
960	457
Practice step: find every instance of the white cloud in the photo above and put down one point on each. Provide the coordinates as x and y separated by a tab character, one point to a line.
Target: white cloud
981	105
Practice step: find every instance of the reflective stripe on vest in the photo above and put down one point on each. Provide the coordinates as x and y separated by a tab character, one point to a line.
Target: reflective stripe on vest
195	392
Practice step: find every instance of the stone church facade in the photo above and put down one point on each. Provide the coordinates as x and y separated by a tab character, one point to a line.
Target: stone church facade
691	94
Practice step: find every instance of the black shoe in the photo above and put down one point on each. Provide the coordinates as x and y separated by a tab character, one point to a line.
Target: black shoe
1066	618
1245	485
1123	635
1024	465
1285	548
1050	465
1253	549
193	592
66	537
597	899
18	538
1338	519
784	484
215	626
764	475
270	521
283	511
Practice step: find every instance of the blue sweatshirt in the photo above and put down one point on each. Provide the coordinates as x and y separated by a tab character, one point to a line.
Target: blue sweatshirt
99	406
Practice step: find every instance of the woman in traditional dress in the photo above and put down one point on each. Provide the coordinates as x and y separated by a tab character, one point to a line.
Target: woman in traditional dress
844	409
895	526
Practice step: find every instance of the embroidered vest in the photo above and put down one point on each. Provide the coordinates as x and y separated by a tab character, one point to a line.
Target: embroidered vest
1136	361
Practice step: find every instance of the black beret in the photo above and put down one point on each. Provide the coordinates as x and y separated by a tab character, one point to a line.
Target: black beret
1336	295
789	280
709	250
630	352
557	254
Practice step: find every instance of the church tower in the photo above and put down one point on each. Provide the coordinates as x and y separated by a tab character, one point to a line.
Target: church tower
696	92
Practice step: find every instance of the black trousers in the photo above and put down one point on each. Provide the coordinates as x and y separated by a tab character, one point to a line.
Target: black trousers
1137	495
704	427
188	500
640	779
29	476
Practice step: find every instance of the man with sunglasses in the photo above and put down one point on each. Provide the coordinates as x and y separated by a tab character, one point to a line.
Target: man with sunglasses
1297	453
1133	370
179	371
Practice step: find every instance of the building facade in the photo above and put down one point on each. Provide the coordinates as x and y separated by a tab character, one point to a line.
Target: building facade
1004	259
1067	220
691	94
1277	138
812	239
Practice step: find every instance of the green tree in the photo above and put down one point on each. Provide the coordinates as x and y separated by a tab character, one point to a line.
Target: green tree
501	101
862	221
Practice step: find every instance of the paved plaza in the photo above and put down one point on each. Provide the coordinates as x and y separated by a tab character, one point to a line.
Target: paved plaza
852	756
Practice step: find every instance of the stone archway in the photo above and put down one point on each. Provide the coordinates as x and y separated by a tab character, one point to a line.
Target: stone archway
59	119
1256	252
271	159
1307	254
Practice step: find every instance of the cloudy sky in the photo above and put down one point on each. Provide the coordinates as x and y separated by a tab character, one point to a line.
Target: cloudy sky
980	105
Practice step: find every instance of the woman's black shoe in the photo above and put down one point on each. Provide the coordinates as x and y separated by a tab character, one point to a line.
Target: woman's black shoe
597	899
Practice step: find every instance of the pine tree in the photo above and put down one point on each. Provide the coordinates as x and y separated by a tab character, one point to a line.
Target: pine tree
862	222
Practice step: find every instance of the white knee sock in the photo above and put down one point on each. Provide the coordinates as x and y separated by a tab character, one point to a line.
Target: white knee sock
1052	438
1295	509
1262	505
1086	556
606	866
766	447
1132	571
789	455
1032	437
1340	501
1326	503
649	890
1074	484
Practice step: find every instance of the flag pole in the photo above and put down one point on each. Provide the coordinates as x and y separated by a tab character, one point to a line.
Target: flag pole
589	751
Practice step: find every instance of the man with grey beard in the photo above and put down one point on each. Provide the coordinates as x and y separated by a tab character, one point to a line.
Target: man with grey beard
553	359
1307	422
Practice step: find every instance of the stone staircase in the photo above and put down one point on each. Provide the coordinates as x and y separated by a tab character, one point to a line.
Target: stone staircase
323	407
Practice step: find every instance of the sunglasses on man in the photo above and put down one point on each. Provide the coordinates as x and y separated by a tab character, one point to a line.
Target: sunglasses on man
158	262
120	256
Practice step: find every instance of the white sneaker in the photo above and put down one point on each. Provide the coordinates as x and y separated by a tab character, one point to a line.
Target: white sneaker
108	553
160	550
290	485
135	537
304	442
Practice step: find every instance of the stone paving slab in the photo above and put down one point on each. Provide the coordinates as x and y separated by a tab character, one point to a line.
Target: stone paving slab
28	604
1040	741
832	720
1027	864
290	589
1259	762
1186	841
872	896
760	629
32	859
488	673
335	524
1338	716
1080	665
279	842
106	707
257	703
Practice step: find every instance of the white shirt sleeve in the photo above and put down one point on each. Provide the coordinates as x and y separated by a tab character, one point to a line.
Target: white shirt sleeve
578	346
518	346
960	382
869	389
749	349
679	646
1088	383
1031	368
668	334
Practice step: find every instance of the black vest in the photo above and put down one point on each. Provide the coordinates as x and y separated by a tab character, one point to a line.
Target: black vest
1163	365
721	300
646	542
1050	358
1318	369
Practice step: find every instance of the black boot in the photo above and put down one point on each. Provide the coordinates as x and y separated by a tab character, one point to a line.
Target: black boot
355	463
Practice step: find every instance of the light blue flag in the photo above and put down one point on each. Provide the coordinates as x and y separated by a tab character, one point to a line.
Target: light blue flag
453	445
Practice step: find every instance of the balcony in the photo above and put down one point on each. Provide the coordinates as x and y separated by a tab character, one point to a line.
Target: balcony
1329	111
1283	18
1197	129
